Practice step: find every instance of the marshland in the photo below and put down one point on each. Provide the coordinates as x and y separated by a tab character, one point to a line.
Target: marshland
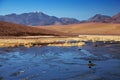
60	58
59	39
55	41
31	53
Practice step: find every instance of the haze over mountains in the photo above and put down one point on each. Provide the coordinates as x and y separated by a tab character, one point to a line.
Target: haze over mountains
40	19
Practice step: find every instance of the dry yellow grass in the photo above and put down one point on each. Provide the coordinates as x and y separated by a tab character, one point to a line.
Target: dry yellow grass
87	28
38	42
95	38
56	41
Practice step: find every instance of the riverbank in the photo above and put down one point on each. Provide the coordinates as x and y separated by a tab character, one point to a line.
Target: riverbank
55	41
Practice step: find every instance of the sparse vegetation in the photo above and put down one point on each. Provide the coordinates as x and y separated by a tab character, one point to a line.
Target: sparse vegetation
55	41
34	36
87	28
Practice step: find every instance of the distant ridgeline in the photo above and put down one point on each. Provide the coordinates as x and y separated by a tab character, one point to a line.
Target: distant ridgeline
36	19
39	18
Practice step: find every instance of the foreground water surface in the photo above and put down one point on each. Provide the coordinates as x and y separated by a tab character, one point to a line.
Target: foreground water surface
61	63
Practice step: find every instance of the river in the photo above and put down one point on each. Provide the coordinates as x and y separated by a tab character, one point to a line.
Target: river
61	63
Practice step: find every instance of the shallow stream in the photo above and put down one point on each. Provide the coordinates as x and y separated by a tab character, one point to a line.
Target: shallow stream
61	63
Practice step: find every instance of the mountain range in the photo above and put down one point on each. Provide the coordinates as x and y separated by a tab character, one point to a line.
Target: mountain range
105	18
36	18
40	19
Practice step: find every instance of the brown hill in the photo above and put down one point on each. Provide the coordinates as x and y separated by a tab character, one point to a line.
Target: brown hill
10	29
87	28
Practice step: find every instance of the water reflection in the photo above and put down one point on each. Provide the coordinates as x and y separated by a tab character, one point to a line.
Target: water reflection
90	64
59	63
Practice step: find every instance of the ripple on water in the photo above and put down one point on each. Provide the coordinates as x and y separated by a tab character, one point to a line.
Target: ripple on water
57	63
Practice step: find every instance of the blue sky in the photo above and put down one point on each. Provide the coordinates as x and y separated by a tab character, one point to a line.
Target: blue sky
80	9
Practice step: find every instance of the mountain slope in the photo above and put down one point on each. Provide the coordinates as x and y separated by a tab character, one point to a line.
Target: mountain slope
36	18
100	18
105	18
42	19
87	28
10	29
116	18
65	20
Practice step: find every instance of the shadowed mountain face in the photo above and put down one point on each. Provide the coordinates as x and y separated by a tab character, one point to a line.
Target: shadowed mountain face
69	20
39	18
105	18
100	18
116	18
36	18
